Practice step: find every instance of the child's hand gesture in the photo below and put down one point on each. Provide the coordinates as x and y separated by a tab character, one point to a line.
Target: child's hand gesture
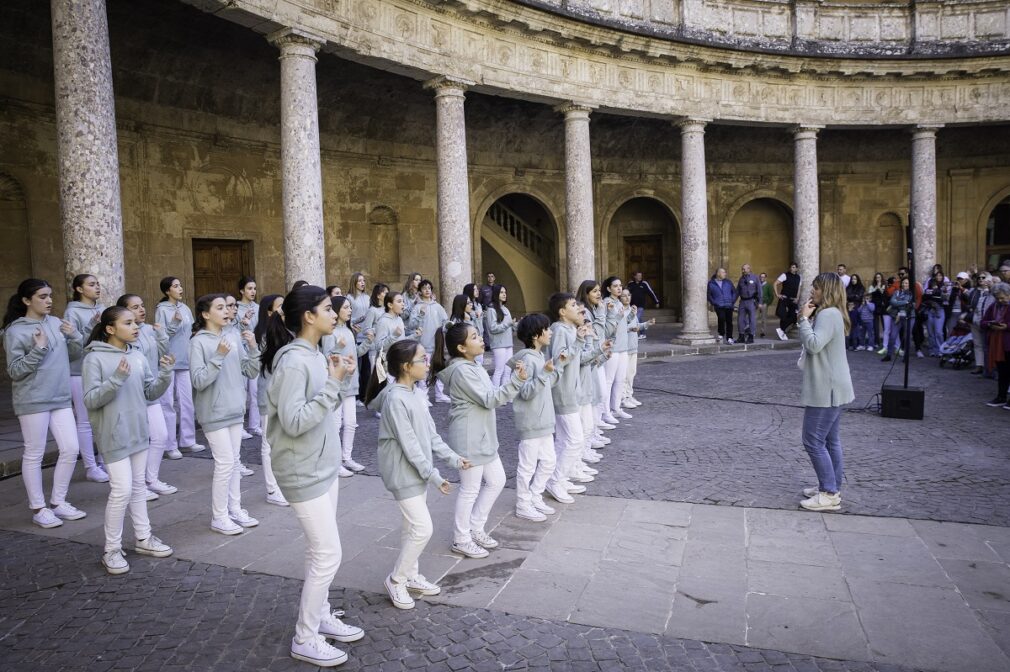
336	367
464	463
444	488
177	317
350	364
341	342
223	347
167	362
549	366
124	367
250	339
68	329
398	332
369	335
41	340
521	371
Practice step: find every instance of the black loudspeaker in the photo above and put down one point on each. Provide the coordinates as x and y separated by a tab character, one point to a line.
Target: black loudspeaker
902	402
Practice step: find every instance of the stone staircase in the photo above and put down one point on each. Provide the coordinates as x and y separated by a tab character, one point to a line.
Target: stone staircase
525	238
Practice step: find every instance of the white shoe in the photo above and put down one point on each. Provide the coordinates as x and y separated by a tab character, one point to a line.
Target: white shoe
242	517
244	470
610	420
543	507
360	403
96	474
781	334
277	497
225	526
151	495
246	435
575	488
354	466
162	488
528	512
173	454
153	546
590	471
331	627
195	448
620	413
822	501
469	548
344	472
317	651
115	563
597	444
605	440
483	539
580	478
606	425
591	458
398	594
559	493
730	341
46	519
627	403
422	586
67	511
636	402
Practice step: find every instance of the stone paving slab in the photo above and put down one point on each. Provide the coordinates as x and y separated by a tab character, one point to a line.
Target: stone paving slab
824	585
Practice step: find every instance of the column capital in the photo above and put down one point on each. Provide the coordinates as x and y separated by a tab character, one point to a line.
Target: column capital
806	131
447	85
691	124
925	130
574	110
296	42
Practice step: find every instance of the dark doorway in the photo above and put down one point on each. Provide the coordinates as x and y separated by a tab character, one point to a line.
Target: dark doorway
218	264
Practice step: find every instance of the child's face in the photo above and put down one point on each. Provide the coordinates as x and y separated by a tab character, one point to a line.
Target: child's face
473	346
124	329
543	338
571	313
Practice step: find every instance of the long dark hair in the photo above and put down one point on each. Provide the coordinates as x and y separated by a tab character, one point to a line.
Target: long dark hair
373	300
459	302
338	303
448	341
354	283
165	283
243	281
124	300
496	301
266	303
397	357
472	290
608	282
202	305
407	289
78	281
582	296
281	332
388	301
16	308
108	318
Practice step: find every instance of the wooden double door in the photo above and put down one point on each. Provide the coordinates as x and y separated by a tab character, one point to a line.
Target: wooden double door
218	264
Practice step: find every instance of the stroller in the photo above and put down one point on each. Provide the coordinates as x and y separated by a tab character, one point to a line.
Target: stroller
958	350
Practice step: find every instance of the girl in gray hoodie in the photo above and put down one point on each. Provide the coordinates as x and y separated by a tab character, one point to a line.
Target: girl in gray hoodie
499	324
426	319
83	312
473	433
304	389
342	342
269	305
616	368
247	316
118	384
220	361
407	441
39	350
177	319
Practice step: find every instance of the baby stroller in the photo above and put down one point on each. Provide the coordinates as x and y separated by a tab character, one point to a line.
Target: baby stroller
958	350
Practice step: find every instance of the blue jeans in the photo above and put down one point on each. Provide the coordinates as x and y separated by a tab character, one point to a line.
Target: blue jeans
820	439
935	321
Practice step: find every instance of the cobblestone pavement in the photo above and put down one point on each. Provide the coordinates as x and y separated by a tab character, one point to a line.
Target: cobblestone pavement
726	430
61	611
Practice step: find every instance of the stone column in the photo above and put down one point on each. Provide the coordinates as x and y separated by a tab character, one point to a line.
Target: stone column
694	233
806	212
90	207
923	198
579	228
302	190
455	238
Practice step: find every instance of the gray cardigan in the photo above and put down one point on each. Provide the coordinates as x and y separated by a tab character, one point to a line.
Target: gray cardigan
826	379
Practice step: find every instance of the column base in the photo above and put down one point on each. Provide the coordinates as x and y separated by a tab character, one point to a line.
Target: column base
694	338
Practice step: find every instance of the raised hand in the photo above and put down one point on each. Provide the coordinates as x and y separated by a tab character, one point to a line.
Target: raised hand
177	317
157	327
40	339
223	347
521	371
398	332
124	367
250	339
341	342
350	364
549	366
167	362
370	335
67	329
336	367
418	332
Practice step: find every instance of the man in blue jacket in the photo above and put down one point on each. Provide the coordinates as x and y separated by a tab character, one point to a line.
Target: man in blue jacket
722	296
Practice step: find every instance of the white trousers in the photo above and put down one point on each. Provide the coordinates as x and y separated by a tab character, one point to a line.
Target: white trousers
569	442
177	402
414	536
34	430
85	437
474	501
616	390
629	379
601	397
159	439
126	489
346	415
589	430
252	403
537	461
226	485
318	518
268	471
501	358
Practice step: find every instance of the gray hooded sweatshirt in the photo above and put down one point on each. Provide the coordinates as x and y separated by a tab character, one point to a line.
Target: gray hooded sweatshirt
620	322
565	338
117	404
84	318
304	443
385	332
154	344
219	391
473	428
407	441
178	332
428	316
253	310
40	379
500	330
329	346
533	409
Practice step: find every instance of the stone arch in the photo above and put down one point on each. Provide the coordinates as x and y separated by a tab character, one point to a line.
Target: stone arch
217	189
784	197
16	252
384	238
983	222
481	203
764	221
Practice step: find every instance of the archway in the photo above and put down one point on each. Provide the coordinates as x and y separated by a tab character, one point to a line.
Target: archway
519	245
761	234
15	253
997	235
644	236
890	249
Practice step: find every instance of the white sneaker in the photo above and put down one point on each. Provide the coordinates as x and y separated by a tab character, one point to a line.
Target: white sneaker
246	435
115	563
528	512
559	493
195	448
781	334
151	495
590	471
591	458
606	425
822	501
67	511
605	440
398	594
575	488
225	526
331	627
730	341
626	403
483	539
581	477
621	413
173	454
277	497
354	466
153	546
344	472
45	518
543	507
96	474
610	420
162	488
318	652
244	470
422	586
634	401
598	443
242	517
469	548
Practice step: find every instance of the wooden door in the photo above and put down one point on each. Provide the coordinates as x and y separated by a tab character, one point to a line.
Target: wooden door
218	265
645	254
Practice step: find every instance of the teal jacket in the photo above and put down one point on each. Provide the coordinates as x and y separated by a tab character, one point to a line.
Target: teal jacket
304	443
178	332
473	428
40	379
84	318
117	404
407	441
154	344
565	394
219	390
533	409
329	346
